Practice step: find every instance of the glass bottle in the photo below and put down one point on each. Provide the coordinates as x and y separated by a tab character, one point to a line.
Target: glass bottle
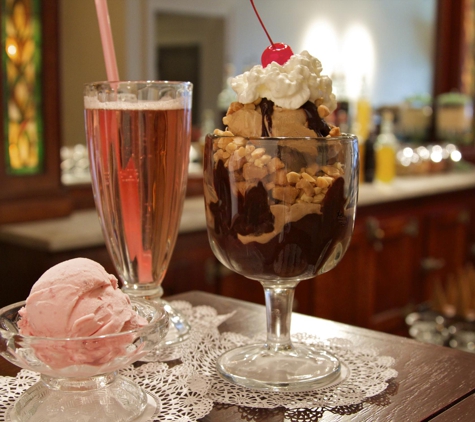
362	124
369	160
385	150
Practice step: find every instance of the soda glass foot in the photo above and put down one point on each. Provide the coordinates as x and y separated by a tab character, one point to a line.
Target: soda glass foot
279	211
138	136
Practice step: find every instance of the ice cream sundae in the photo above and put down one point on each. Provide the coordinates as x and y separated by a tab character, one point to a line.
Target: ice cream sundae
291	99
273	193
280	187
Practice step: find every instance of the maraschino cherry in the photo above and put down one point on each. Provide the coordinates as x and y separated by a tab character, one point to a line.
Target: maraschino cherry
276	52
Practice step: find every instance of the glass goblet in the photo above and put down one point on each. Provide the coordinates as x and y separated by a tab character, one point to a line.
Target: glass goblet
280	210
138	137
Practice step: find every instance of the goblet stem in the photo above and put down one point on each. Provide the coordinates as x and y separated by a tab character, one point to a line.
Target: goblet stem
278	365
279	302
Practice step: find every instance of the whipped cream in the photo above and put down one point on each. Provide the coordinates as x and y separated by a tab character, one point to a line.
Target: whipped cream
289	86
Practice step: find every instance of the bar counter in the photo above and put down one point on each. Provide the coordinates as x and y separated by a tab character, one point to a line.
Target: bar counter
81	229
433	383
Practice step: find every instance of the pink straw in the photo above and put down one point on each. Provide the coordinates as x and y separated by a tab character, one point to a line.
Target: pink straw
107	41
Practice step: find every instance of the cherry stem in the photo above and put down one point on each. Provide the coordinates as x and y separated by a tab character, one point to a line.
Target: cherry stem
262	23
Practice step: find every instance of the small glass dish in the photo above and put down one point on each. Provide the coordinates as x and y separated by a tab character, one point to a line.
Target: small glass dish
463	336
428	327
79	379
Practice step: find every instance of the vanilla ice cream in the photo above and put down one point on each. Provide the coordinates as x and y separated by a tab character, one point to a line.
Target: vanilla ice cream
282	100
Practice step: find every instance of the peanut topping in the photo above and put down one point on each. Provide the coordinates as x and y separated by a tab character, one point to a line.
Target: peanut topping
334	132
323	111
252	165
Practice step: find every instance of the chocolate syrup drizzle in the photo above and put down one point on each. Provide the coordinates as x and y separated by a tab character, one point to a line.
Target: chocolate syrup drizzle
314	121
267	109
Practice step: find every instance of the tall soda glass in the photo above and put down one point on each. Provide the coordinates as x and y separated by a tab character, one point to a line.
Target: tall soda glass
138	136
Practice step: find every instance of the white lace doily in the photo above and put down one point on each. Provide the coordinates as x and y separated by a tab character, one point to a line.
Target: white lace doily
201	318
365	374
186	391
174	394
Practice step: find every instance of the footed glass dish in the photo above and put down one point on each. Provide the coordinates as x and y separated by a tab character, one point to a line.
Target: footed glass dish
79	378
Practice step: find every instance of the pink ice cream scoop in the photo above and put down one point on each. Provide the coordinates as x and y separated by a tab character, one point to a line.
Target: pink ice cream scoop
77	298
78	323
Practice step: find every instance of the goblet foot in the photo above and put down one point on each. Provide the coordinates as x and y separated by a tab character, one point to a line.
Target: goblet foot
101	398
298	368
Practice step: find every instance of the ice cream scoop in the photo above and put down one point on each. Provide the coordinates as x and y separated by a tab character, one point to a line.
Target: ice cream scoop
289	85
286	100
77	298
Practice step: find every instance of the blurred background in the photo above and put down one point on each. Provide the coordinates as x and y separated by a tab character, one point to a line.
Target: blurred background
403	72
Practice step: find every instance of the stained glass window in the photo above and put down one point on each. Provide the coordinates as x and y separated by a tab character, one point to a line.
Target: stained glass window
468	66
21	74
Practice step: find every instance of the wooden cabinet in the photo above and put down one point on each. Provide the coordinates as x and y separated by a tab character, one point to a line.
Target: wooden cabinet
397	252
447	246
393	252
339	294
376	281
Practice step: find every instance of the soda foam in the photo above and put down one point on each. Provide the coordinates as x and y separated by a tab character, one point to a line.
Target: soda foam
134	104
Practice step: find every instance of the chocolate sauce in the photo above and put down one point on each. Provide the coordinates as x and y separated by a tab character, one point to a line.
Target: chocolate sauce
267	109
300	250
314	121
253	213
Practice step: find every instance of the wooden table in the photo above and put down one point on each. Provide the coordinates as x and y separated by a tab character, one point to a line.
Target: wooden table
434	383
